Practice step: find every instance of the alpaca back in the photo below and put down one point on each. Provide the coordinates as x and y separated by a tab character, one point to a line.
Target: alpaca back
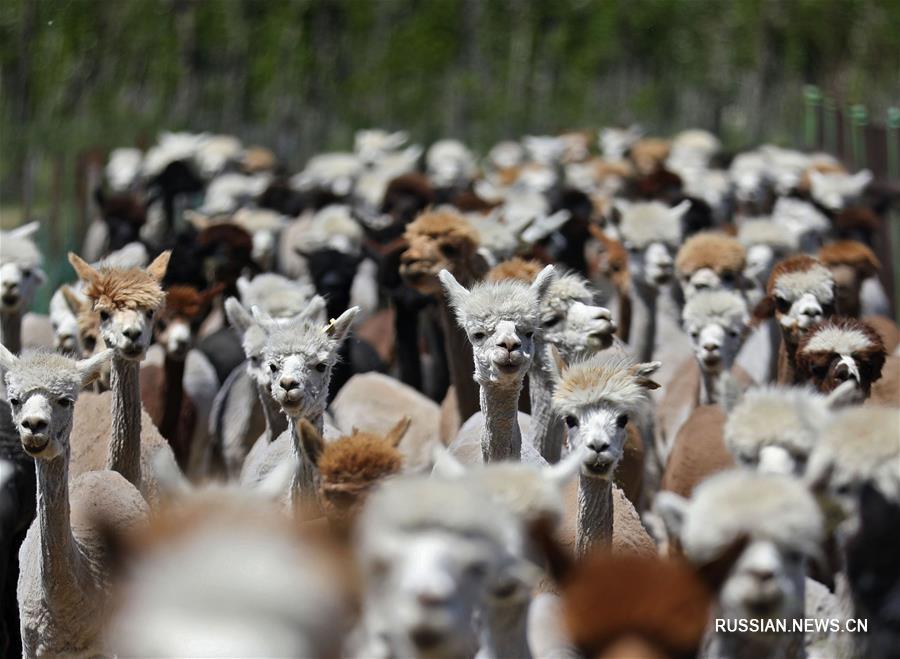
153	400
698	451
886	390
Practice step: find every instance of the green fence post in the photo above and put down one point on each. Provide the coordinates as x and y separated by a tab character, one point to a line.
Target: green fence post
858	121
830	119
813	98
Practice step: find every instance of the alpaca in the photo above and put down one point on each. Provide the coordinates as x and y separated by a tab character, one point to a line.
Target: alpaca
126	301
438	241
598	398
800	293
222	572
20	277
427	550
63	588
710	261
351	466
500	319
299	355
836	190
636	607
841	349
757	530
717	322
853	265
178	395
612	265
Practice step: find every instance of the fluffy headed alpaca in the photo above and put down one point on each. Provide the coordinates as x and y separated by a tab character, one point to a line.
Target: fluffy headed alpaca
841	349
636	607
800	293
126	301
439	240
598	398
428	549
299	355
853	264
20	277
500	320
63	583
710	261
759	529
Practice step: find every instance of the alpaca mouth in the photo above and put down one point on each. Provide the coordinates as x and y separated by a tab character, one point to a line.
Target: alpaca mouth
598	465
35	444
508	368
133	351
601	338
763	606
426	637
711	360
10	300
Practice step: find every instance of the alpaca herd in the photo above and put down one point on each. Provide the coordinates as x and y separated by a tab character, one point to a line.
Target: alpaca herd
595	394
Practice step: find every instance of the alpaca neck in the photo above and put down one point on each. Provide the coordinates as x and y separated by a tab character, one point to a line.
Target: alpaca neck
749	645
60	558
305	482
504	631
595	514
624	329
459	361
11	331
787	373
546	426
276	421
173	386
501	438
643	320
125	444
709	385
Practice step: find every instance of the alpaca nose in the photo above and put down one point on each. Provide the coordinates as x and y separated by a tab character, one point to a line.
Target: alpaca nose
710	347
598	445
510	343
132	333
842	373
34	424
762	574
287	383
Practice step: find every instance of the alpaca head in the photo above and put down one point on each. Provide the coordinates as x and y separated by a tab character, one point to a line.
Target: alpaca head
350	467
42	388
835	190
428	549
64	319
123	213
717	322
440	241
851	263
126	300
766	243
762	527
449	163
20	268
299	355
800	294
615	142
253	335
857	446
500	319
710	261
841	349
598	397
773	429
651	232
178	321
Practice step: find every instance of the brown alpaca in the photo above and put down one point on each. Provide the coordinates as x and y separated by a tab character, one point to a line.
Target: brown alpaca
841	349
440	240
648	154
162	386
851	263
800	293
698	451
515	268
640	608
350	466
710	261
612	264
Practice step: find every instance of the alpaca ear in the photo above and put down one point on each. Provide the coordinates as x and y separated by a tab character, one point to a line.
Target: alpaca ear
555	363
311	441
845	394
764	309
7	359
339	328
445	464
237	315
671	508
860	180
564	471
91	369
264	320
157	268
395	434
243	286
26	231
73	302
456	292
313	309
643	373
677	212
541	283
210	293
83	269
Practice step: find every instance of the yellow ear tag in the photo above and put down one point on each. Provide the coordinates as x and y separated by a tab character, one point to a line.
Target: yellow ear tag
329	325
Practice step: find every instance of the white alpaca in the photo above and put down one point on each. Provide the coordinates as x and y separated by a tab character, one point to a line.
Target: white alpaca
20	277
63	587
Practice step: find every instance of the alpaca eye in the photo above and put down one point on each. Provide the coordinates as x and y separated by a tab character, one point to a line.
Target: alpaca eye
695	335
148	314
104	316
622	420
90	343
65	402
478	336
255	360
26	272
572	421
477	570
15	402
529	334
161	325
321	367
450	251
273	367
793	556
733	333
782	305
727	277
553	321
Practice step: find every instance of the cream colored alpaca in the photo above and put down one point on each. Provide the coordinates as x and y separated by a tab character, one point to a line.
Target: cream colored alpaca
63	587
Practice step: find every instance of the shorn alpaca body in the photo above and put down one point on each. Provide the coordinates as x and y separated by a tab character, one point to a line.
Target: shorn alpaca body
63	584
501	320
126	300
20	277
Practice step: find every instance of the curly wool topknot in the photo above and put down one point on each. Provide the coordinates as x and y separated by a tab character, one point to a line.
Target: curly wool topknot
796	275
436	224
852	253
717	251
359	458
725	308
130	288
186	301
21	251
647	222
604	377
44	370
